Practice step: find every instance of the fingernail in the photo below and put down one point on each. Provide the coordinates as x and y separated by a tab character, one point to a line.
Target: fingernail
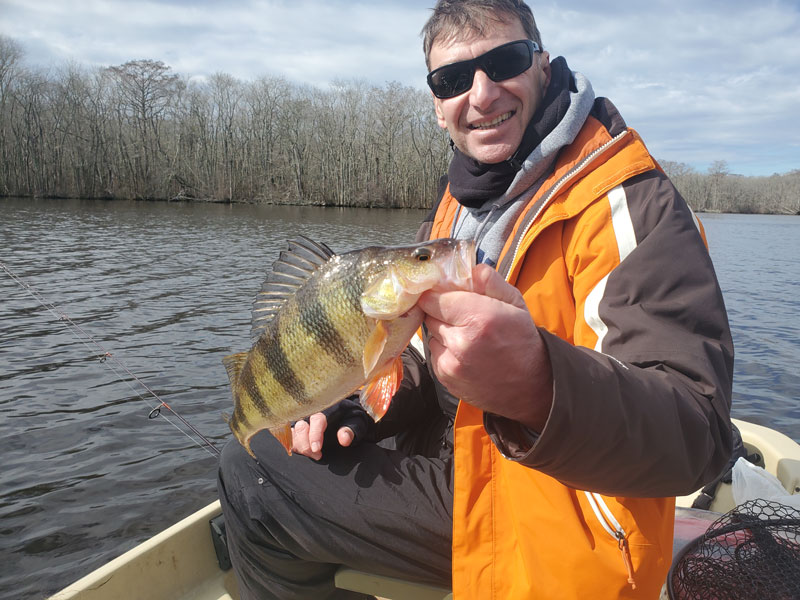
315	447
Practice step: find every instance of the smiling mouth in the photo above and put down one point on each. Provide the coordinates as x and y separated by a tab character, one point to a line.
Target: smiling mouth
494	122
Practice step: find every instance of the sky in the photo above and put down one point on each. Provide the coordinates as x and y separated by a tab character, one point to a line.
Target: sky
701	80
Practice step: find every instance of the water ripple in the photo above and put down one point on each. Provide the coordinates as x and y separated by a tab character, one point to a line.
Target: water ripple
167	288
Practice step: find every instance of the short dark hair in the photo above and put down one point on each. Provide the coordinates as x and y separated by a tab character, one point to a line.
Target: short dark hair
452	18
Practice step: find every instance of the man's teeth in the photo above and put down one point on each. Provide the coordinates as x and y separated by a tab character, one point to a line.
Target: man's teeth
493	122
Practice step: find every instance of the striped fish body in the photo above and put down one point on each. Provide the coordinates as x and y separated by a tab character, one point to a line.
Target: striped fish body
326	325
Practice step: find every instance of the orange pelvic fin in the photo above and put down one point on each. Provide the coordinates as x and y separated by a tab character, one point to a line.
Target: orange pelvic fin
377	394
283	434
374	347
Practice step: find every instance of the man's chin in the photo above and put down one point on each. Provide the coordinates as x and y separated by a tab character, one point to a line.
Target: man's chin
492	154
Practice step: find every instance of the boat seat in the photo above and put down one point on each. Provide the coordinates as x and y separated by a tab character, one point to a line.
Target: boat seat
388	587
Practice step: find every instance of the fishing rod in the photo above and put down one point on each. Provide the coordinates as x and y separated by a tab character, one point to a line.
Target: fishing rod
111	361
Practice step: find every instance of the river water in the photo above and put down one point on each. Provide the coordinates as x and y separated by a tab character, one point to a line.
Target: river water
166	288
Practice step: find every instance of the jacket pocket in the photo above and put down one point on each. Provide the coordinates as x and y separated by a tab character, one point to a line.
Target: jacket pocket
612	526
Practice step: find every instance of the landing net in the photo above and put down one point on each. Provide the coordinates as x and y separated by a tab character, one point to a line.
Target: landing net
750	553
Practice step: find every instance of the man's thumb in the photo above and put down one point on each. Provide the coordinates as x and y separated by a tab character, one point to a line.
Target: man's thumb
345	436
488	282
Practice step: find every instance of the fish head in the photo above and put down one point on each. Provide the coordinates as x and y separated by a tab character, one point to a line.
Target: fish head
400	274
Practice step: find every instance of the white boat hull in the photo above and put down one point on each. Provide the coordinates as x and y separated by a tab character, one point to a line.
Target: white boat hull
180	563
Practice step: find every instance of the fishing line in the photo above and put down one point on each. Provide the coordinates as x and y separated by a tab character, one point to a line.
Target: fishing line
111	361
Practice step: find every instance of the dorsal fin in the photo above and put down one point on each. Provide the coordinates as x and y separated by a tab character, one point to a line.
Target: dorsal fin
289	272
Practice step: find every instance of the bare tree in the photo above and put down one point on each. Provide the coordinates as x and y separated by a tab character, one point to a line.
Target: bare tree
144	91
137	130
717	173
10	58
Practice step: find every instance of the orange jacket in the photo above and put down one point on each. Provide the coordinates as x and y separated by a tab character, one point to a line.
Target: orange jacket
525	523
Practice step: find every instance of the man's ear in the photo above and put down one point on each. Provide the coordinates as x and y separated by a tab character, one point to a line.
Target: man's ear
437	107
545	63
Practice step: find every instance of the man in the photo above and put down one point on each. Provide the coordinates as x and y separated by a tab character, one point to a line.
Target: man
590	368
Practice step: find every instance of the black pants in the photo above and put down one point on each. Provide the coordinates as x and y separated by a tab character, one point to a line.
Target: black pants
292	521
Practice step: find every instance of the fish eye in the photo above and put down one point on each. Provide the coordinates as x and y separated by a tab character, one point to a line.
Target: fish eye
422	254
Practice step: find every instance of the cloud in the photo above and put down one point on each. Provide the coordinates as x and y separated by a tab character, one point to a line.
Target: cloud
705	82
309	41
701	81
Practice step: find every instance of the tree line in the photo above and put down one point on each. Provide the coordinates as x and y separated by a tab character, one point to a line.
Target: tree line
138	130
718	190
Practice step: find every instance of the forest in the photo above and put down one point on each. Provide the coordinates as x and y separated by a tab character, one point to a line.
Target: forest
140	131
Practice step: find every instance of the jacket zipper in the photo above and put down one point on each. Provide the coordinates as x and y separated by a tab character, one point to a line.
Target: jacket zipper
556	187
614	529
604	515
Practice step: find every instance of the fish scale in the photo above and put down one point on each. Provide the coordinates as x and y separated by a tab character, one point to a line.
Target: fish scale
327	325
316	321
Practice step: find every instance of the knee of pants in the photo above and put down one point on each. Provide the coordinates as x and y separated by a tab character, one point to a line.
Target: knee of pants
237	476
244	481
236	464
232	461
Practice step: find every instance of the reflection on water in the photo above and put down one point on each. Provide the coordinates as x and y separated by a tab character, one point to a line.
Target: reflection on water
167	288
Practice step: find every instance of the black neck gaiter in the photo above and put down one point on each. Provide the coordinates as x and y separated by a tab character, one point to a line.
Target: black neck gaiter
473	182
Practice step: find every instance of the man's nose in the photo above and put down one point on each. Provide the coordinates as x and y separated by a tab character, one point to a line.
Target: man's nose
484	91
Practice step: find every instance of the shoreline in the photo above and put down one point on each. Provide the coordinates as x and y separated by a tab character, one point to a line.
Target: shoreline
252	202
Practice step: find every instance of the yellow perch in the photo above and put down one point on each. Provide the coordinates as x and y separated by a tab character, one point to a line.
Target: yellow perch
325	325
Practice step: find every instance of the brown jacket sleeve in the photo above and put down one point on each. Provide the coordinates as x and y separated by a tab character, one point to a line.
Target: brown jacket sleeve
648	414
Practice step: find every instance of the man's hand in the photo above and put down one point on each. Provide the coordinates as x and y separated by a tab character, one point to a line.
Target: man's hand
307	436
486	350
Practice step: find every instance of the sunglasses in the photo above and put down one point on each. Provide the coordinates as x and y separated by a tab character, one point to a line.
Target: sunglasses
499	64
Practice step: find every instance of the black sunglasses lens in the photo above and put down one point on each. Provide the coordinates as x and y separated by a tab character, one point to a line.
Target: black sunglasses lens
507	61
502	63
451	80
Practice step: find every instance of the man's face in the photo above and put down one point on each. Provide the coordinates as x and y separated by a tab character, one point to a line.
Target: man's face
487	121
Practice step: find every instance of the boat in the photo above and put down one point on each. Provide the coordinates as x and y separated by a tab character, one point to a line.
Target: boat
182	563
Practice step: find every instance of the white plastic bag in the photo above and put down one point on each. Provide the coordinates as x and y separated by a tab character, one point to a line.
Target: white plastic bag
751	482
